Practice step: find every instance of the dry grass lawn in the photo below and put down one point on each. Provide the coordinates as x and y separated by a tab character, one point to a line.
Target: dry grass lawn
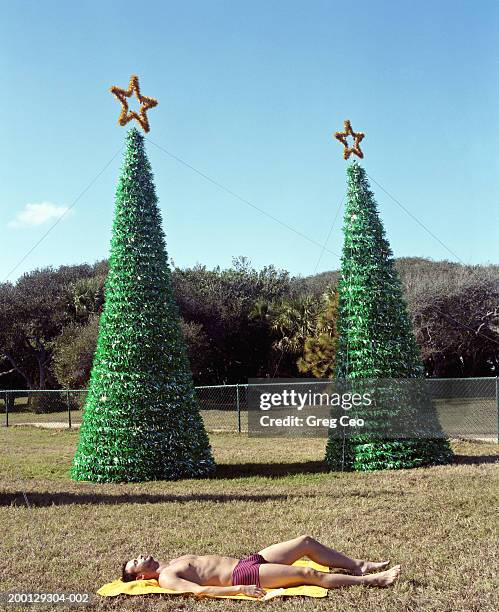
214	420
439	523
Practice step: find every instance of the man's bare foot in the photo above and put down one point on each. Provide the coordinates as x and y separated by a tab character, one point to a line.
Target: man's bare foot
383	579
366	567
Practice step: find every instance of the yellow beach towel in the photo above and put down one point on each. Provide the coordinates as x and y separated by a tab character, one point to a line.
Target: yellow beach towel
145	587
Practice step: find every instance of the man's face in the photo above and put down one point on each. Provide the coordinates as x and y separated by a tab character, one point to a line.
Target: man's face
144	567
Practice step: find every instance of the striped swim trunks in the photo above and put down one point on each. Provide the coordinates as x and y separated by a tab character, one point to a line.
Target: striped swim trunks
247	570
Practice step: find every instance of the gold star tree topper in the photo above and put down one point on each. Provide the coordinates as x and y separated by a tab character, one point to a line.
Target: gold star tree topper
357	137
145	103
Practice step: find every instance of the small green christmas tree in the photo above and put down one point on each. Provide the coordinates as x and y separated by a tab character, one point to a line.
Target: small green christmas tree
141	419
376	340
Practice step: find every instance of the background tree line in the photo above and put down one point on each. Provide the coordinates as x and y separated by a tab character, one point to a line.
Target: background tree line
241	323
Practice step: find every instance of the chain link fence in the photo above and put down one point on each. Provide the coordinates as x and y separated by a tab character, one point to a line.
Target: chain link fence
467	407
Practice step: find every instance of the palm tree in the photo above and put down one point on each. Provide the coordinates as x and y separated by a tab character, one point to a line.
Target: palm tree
319	350
294	321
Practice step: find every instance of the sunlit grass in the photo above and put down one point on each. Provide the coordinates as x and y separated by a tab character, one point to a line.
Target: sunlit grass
440	522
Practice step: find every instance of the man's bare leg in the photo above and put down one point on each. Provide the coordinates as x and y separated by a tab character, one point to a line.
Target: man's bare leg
291	550
274	576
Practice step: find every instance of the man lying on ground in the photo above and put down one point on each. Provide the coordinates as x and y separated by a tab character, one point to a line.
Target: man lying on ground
271	568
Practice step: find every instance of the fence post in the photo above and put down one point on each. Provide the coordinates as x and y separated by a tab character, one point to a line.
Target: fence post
497	406
238	404
6	410
69	410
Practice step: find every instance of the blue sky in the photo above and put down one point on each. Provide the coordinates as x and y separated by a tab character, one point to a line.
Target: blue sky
250	94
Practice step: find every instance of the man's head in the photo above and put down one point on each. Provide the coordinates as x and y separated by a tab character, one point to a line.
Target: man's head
140	568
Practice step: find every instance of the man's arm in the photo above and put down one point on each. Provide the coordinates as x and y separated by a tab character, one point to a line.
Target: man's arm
176	583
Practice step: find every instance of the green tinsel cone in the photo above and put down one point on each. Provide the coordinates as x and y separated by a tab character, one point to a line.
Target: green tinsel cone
376	339
141	420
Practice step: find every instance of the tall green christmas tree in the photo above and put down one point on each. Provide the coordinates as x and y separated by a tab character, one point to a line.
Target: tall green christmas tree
141	419
376	340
